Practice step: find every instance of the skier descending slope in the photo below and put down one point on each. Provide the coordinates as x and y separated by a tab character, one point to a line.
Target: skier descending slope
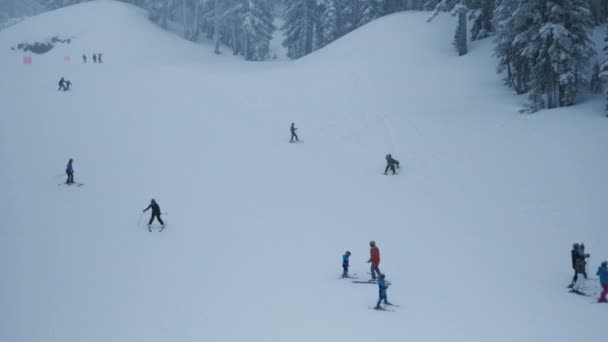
293	130
155	214
374	258
62	84
602	272
69	170
345	264
382	289
390	164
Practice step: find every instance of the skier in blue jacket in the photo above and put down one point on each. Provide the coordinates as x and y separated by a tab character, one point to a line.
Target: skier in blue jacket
382	288
69	170
345	264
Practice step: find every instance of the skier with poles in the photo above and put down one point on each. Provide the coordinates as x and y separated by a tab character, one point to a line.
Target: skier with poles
69	170
61	84
602	272
155	214
374	259
84	58
345	264
293	130
382	288
390	164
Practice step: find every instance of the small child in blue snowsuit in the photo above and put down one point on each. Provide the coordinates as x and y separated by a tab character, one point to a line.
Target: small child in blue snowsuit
345	265
382	287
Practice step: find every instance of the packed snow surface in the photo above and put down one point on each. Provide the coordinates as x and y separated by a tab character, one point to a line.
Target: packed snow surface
474	232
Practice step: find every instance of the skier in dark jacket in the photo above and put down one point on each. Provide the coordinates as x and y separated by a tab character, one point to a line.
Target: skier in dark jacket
94	58
67	85
345	264
61	84
382	288
390	164
84	58
69	170
579	263
293	130
155	214
99	58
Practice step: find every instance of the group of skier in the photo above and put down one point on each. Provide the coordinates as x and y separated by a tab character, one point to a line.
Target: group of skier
376	275
96	58
64	85
579	264
391	163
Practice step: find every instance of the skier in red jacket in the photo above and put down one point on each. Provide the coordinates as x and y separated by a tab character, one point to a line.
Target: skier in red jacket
374	258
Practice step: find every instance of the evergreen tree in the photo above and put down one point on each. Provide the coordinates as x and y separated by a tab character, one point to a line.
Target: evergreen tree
460	37
595	83
604	66
329	21
299	27
482	14
257	29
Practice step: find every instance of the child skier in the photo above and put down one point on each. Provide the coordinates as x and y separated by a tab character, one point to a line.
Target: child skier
345	264
155	214
602	272
382	288
390	164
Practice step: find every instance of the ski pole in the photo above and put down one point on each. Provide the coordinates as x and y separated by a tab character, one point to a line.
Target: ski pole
140	216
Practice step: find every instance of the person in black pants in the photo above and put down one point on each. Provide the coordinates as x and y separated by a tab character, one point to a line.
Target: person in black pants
61	84
293	130
390	164
155	214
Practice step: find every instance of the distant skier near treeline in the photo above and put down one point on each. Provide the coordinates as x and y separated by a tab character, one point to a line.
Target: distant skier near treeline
345	264
579	263
84	58
69	170
374	259
94	58
155	214
382	295
602	272
293	130
390	164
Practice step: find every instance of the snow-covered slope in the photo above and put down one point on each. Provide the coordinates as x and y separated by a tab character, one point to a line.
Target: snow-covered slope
474	232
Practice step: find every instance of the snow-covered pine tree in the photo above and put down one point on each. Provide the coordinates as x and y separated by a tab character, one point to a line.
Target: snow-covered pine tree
460	37
482	13
55	4
595	83
300	18
257	29
329	21
351	12
604	66
371	10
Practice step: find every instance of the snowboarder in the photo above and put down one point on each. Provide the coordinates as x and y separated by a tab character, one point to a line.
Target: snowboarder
374	258
345	264
578	262
382	288
67	85
94	58
69	170
602	272
61	84
293	130
390	164
99	58
155	214
84	58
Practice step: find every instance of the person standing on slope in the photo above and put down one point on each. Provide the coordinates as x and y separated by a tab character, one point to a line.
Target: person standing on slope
99	58
155	214
382	289
345	264
84	58
94	58
374	258
69	170
67	85
578	262
602	272
293	130
61	84
390	164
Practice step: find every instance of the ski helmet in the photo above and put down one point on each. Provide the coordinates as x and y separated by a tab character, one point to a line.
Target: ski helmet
382	275
575	245
372	243
347	253
153	200
605	263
